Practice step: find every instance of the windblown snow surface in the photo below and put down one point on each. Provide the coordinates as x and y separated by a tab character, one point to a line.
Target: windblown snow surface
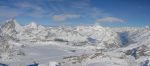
73	46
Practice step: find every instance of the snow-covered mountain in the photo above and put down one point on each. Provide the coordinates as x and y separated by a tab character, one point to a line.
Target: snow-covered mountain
92	40
11	27
95	35
80	35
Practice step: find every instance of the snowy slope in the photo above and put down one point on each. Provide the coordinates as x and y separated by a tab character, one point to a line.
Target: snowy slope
73	46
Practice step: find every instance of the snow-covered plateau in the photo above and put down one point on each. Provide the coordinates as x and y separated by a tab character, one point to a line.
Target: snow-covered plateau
73	46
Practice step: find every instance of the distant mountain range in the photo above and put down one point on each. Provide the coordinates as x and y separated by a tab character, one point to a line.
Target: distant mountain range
99	37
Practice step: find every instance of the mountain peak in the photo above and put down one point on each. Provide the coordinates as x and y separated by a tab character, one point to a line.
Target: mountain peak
11	25
32	25
11	21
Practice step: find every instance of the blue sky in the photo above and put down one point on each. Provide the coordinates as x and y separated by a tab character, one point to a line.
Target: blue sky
77	12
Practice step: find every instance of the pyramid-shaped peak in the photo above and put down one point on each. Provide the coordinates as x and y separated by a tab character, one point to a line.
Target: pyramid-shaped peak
11	21
11	25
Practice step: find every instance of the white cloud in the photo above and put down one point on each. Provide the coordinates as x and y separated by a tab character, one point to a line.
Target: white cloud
8	12
22	9
27	5
63	17
110	19
80	4
59	11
